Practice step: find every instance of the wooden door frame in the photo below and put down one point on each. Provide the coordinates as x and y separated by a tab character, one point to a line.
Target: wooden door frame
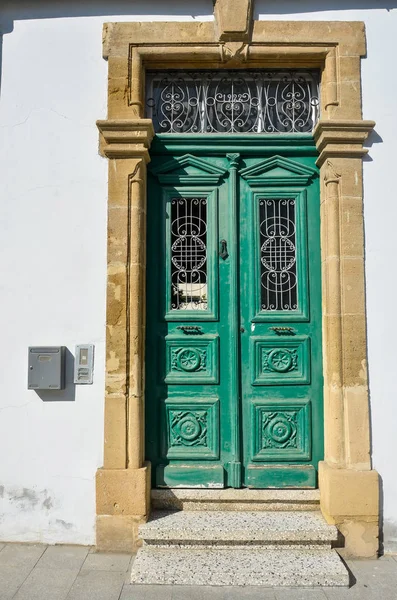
348	484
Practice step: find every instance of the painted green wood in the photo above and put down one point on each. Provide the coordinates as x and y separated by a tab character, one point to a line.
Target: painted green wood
230	402
282	383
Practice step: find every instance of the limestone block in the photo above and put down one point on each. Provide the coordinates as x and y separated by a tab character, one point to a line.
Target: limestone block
348	493
123	491
118	533
361	538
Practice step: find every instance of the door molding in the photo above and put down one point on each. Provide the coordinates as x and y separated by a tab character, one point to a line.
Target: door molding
348	484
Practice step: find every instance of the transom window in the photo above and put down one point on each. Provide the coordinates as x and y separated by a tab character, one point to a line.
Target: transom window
251	101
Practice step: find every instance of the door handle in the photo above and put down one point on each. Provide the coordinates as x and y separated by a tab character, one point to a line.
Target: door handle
223	253
191	329
283	330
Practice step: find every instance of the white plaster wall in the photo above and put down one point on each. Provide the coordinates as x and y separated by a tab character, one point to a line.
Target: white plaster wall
53	256
53	245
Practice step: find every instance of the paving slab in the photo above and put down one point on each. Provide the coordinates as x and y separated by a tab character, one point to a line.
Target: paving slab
96	585
21	555
181	592
146	592
43	584
11	578
241	593
63	557
101	561
300	594
356	592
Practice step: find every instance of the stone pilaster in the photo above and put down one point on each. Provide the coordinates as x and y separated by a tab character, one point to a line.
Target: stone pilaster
348	486
123	484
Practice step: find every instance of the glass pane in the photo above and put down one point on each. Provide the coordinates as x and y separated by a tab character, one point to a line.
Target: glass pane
189	254
278	254
232	101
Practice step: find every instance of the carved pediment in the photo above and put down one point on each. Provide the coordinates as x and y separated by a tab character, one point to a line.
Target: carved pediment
188	169
278	171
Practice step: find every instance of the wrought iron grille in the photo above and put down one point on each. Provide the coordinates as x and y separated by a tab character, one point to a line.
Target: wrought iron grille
232	101
189	254
278	254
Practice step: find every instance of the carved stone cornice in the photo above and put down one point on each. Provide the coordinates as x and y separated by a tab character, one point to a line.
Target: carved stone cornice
340	139
126	138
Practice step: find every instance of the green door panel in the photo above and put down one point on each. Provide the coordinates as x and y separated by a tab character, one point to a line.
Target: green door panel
233	347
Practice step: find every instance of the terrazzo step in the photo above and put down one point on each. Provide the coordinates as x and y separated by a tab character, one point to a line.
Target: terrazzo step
239	566
243	528
236	500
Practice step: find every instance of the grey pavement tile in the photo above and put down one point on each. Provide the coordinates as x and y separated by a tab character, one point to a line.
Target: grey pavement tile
249	592
146	592
2	546
107	562
204	592
47	584
21	555
97	585
300	594
356	592
63	557
127	579
11	578
375	573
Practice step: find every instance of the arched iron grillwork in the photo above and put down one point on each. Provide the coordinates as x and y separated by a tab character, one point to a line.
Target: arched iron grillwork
232	101
189	254
278	254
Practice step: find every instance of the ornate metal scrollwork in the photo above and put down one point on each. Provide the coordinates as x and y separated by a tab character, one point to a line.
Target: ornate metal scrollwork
189	254
224	101
278	254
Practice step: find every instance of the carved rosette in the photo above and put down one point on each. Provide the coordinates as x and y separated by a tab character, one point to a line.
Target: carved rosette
280	360
279	430
188	359
188	428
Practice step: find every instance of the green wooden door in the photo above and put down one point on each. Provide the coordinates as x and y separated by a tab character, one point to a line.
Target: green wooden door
233	353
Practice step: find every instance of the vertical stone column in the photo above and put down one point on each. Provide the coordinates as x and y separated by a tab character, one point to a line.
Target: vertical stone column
123	484
348	485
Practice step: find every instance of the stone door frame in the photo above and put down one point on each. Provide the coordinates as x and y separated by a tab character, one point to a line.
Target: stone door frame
348	484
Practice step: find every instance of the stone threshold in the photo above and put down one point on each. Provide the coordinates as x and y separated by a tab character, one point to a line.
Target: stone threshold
235	499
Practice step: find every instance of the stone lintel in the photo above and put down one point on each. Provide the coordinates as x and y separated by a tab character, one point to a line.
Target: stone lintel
336	138
232	25
126	138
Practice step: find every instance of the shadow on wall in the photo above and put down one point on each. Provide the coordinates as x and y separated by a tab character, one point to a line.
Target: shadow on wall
283	7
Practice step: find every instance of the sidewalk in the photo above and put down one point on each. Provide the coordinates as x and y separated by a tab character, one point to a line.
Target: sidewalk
38	572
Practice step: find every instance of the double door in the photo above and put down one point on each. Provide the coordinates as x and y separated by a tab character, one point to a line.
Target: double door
233	349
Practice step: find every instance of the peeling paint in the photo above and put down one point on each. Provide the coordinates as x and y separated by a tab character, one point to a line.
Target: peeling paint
47	503
64	524
26	499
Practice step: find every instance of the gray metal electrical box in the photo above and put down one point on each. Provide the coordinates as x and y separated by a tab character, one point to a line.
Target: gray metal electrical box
46	368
